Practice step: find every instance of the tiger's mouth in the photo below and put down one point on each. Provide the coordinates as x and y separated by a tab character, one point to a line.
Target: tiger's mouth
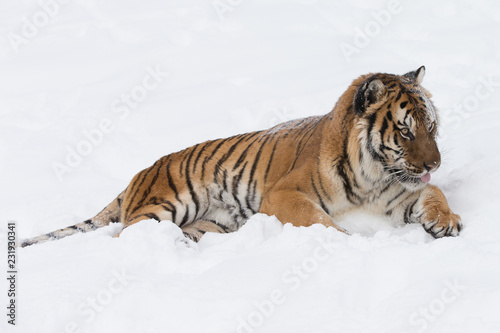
403	175
413	178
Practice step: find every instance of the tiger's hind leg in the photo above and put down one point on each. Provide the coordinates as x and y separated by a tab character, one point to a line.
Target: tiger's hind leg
198	228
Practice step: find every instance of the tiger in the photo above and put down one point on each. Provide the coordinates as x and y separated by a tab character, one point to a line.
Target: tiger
376	150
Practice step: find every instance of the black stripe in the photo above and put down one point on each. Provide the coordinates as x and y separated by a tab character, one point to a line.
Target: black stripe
153	216
136	183
205	160
243	155
146	173
231	150
371	122
223	227
406	115
286	126
190	156
208	158
171	208
201	231
254	168
254	193
270	161
147	192
185	218
181	165
351	196
52	235
236	183
321	202
193	194
205	146
385	188
224	180
219	164
399	94
150	186
384	147
303	140
256	160
354	179
153	201
346	159
149	215
77	228
187	158
384	127
171	182
397	196
321	185
408	212
208	197
90	224
365	176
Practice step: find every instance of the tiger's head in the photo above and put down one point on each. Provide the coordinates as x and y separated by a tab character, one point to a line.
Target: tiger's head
400	123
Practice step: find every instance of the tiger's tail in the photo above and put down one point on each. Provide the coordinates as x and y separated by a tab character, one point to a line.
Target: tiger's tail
108	215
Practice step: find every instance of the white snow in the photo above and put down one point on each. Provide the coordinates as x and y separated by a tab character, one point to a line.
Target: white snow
234	67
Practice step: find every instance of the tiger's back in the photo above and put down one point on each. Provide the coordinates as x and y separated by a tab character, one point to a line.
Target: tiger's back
221	180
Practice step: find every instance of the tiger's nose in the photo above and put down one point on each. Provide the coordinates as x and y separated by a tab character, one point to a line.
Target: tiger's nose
429	166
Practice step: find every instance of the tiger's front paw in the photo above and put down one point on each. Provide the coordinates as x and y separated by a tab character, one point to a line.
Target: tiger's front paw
440	223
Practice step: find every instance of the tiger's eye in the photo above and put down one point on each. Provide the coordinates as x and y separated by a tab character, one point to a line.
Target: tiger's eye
405	131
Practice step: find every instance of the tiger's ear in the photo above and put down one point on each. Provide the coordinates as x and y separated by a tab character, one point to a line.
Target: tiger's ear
370	92
416	76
